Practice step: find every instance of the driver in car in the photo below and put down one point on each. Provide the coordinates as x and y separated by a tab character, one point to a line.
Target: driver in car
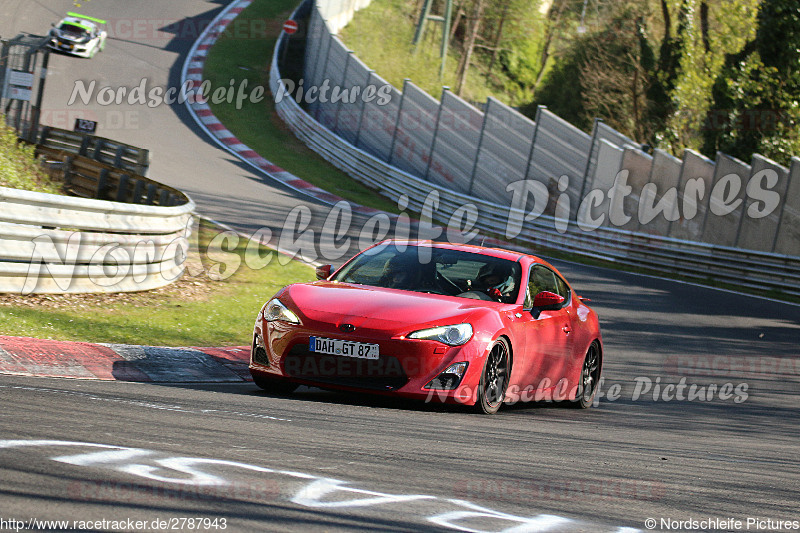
399	274
494	280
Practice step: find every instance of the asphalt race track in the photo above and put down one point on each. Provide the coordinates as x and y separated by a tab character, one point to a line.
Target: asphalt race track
698	418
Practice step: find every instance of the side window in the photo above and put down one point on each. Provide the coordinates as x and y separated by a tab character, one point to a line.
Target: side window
540	280
563	288
544	279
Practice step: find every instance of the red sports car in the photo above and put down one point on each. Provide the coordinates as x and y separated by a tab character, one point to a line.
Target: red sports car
433	321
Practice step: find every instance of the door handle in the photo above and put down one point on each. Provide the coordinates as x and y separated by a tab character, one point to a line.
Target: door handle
567	330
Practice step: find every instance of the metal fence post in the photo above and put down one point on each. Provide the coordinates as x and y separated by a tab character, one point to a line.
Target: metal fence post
783	206
678	199
398	120
445	90
595	127
313	40
480	143
363	109
533	140
324	70
36	110
708	204
23	105
3	63
350	54
323	38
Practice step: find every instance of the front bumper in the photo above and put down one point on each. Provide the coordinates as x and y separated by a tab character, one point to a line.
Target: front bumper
82	49
404	368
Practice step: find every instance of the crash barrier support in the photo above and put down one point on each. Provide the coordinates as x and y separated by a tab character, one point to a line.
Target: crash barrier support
116	154
734	266
89	178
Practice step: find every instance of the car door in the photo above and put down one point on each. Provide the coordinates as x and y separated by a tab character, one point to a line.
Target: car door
548	333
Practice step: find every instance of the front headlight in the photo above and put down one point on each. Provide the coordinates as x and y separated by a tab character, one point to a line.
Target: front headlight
275	310
450	335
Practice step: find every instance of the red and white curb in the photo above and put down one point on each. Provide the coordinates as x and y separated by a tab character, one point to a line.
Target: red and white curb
23	356
201	112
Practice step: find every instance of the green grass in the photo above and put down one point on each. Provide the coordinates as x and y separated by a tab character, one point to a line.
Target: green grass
195	311
18	166
244	52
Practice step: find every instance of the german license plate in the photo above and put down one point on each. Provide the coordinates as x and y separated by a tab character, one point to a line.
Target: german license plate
361	350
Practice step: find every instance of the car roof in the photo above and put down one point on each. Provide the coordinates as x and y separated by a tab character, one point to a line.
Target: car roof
84	21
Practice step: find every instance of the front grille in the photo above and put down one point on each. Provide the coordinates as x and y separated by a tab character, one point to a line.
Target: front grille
385	373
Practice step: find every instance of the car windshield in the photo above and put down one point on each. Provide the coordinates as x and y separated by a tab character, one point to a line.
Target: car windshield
436	271
73	30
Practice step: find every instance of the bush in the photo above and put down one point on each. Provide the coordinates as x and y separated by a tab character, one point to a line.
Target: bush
19	168
561	90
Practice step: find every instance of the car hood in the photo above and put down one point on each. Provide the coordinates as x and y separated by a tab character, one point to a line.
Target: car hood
380	308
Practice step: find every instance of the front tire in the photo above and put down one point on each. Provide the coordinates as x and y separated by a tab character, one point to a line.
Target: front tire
590	378
494	380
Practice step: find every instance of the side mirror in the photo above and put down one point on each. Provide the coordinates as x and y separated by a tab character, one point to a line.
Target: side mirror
324	271
547	301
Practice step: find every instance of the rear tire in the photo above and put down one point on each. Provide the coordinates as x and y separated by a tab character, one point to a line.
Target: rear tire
590	378
494	380
275	386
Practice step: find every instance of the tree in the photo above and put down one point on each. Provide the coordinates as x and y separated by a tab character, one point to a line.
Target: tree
756	96
469	43
670	49
615	74
555	15
711	29
664	74
498	36
605	73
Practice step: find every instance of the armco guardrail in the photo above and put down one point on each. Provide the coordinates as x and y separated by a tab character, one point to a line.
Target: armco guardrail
113	153
740	268
61	244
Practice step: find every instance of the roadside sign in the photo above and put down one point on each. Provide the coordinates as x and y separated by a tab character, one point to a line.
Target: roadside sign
85	126
18	85
21	77
290	27
19	93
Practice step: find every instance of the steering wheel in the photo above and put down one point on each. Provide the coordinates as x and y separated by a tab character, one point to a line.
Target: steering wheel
447	282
